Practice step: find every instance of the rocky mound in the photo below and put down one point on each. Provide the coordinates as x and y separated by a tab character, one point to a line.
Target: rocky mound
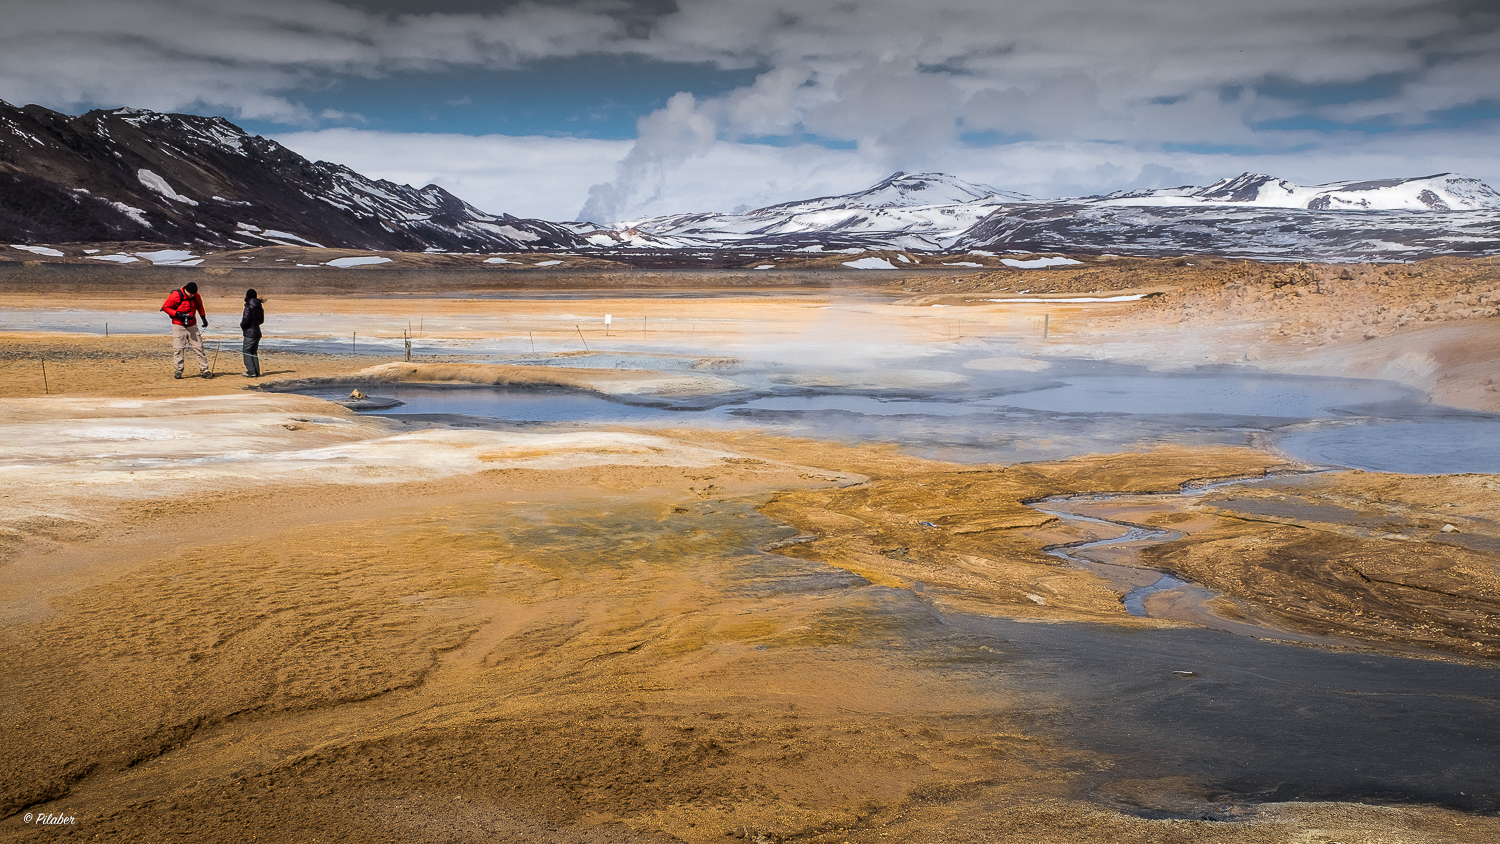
1322	303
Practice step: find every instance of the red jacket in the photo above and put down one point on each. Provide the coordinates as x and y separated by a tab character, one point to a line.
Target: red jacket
180	306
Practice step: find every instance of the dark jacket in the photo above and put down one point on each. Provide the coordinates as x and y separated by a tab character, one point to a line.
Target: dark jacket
253	317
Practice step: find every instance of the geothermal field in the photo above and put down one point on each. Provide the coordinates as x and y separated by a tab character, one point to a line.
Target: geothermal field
1128	550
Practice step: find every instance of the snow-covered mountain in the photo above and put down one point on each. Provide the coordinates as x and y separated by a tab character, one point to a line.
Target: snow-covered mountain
127	174
1442	192
1258	216
1251	215
921	211
1265	233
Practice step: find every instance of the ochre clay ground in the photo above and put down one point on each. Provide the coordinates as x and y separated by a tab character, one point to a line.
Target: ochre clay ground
367	631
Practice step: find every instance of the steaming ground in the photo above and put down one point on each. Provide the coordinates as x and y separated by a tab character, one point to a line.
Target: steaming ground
231	612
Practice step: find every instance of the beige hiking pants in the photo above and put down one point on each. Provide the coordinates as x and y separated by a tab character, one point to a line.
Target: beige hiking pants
182	337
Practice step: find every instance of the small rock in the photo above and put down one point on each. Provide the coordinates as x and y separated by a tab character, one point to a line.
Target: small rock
1449	529
1185	673
356	395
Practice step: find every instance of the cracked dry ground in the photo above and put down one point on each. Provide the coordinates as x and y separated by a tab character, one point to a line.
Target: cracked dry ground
587	656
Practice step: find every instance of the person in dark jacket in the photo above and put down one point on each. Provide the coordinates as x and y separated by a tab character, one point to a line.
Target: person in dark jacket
185	306
250	322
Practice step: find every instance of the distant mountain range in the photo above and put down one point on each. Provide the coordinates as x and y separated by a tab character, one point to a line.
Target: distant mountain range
1251	215
1443	192
131	175
923	212
126	174
1259	216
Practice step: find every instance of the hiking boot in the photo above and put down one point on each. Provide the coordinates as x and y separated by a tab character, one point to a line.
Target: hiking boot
177	375
205	375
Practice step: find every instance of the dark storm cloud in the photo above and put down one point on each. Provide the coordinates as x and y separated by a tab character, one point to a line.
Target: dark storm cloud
904	81
249	55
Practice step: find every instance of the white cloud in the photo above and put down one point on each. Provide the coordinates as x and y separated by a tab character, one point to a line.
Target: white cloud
548	178
538	177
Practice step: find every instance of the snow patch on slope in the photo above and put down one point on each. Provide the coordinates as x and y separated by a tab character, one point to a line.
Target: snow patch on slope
870	264
271	234
511	232
1038	263
134	213
158	184
171	257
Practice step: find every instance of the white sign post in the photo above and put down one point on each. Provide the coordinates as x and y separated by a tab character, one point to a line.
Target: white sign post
607	319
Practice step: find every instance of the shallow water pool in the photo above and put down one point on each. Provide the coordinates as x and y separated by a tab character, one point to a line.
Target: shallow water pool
1449	446
1071	408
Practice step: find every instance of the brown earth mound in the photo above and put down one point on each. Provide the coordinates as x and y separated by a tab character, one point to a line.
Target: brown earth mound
1325	303
1380	558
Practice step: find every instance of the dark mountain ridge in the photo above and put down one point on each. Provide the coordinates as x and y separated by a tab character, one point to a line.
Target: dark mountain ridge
126	174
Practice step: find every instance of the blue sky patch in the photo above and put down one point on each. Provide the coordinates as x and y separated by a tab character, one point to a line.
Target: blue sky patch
993	138
1332	93
798	139
596	97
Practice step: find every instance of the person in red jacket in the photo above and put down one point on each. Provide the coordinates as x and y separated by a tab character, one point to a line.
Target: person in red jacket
185	306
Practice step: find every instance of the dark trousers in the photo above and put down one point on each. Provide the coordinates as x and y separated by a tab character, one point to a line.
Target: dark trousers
251	349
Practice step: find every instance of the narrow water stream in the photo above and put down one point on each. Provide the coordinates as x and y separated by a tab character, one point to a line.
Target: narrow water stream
1184	600
1134	599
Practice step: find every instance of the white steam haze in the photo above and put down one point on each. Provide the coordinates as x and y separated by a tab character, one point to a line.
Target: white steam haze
1046	97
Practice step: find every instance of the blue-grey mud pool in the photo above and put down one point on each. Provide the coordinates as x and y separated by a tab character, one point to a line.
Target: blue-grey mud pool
807	567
